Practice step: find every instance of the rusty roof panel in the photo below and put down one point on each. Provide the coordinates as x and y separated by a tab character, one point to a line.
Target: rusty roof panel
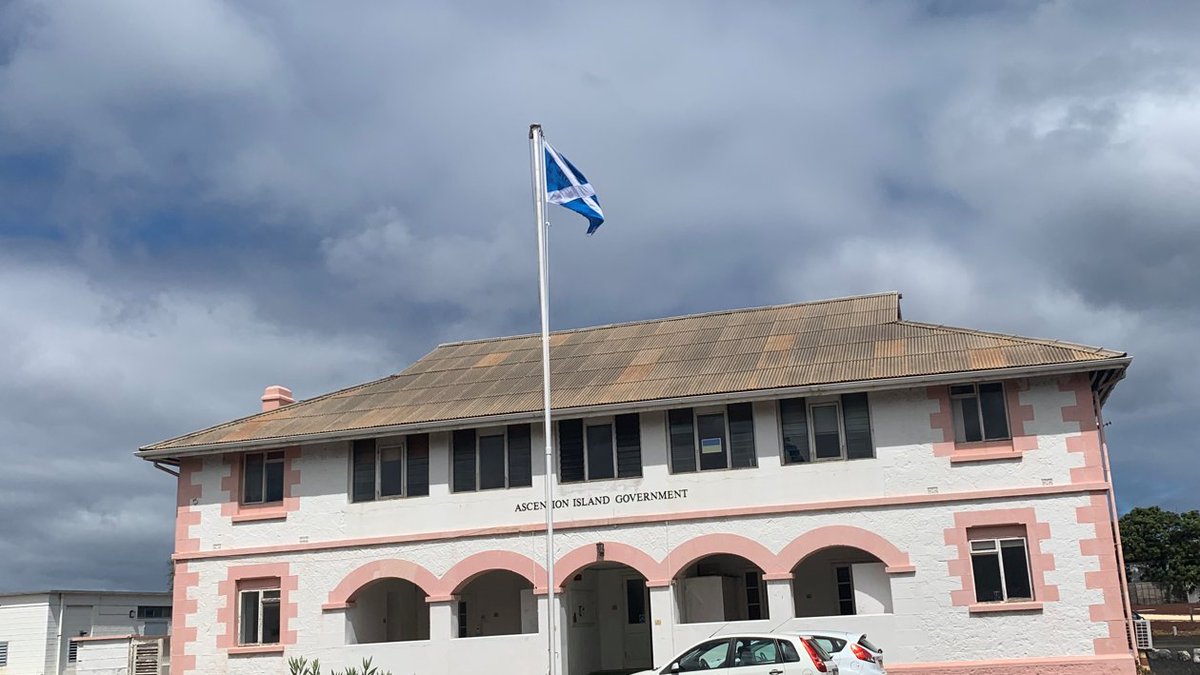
844	340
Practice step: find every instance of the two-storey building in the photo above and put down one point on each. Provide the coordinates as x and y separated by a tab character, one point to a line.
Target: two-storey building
825	464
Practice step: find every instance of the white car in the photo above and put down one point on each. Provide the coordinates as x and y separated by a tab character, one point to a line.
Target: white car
853	652
753	654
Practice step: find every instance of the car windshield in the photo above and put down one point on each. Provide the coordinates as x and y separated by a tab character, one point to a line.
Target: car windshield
830	644
706	655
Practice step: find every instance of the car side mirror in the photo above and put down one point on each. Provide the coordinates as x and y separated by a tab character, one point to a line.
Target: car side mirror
674	668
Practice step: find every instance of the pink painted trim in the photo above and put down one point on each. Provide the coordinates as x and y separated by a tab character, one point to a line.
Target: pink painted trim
257	577
472	566
837	505
1087	443
346	591
1035	533
997	607
570	564
231	485
243	650
183	609
793	554
1020	441
1048	665
1106	578
710	544
188	494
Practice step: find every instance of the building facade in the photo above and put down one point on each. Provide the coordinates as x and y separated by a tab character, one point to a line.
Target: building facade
55	632
818	465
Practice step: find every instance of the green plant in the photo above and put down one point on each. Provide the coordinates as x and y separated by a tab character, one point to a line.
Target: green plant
367	669
298	665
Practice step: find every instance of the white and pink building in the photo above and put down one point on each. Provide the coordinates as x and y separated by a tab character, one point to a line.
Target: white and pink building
825	464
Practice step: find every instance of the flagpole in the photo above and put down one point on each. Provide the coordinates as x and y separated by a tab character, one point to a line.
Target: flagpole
539	208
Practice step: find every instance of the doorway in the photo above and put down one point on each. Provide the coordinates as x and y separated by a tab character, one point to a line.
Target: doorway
606	612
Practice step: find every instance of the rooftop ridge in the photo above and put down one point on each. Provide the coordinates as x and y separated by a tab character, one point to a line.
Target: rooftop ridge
680	317
1013	337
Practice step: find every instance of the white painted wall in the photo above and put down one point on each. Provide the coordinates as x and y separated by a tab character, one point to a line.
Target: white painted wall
108	657
28	627
872	588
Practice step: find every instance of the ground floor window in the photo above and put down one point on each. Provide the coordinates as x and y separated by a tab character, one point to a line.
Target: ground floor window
259	617
1000	568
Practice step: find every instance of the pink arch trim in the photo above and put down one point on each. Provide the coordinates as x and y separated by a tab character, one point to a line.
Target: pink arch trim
711	544
472	566
844	535
625	554
341	596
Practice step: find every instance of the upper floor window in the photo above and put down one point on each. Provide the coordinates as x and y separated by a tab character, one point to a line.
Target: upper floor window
154	611
390	467
262	477
597	449
979	412
817	429
1000	568
712	438
486	459
258	616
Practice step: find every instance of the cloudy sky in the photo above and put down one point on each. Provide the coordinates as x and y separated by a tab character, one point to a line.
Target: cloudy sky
200	198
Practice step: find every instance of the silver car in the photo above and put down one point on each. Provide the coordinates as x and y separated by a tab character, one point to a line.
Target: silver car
752	654
853	652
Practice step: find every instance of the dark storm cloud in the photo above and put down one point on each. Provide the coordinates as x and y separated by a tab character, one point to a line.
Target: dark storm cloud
201	198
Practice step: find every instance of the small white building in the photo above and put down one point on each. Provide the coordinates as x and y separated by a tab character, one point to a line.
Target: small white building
64	632
817	465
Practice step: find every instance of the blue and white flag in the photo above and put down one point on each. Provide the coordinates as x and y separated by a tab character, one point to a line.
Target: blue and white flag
567	187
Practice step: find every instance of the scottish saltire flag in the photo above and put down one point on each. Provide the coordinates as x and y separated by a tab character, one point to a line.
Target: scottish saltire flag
567	187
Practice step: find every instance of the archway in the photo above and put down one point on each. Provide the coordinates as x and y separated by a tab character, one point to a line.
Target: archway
839	581
387	610
606	619
495	602
719	588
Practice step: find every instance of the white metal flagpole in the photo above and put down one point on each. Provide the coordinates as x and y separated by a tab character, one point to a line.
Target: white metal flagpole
539	209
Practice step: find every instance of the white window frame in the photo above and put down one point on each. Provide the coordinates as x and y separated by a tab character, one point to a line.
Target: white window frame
817	402
262	601
388	443
956	411
996	543
269	457
607	420
480	432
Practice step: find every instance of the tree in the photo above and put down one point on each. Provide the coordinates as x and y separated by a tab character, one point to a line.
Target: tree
1165	546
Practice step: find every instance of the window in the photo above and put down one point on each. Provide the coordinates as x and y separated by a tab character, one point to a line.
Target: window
712	438
635	601
845	589
788	651
154	611
754	651
462	619
486	459
706	655
73	652
1000	568
598	449
390	467
262	477
259	618
979	412
826	428
3	654
754	610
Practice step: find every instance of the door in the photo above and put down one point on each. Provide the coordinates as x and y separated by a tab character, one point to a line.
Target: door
76	622
637	641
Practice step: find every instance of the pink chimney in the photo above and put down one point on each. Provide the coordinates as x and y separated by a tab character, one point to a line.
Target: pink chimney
276	396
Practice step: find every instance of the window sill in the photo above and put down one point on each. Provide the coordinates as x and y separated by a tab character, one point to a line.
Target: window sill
255	649
984	451
994	607
250	514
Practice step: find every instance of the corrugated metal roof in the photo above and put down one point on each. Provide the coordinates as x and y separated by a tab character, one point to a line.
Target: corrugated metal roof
852	339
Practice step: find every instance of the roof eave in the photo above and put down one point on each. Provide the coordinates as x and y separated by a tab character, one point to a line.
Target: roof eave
149	453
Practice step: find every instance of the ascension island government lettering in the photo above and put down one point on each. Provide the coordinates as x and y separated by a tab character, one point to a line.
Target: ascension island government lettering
602	500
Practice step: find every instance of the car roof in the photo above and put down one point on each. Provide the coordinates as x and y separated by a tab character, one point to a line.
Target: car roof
841	634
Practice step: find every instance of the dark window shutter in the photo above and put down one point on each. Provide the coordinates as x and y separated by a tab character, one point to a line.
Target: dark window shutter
741	434
464	460
519	445
364	470
683	441
793	422
418	465
856	417
570	450
629	445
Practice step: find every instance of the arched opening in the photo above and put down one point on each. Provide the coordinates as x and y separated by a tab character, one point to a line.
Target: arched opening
388	610
721	587
606	614
839	581
496	602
